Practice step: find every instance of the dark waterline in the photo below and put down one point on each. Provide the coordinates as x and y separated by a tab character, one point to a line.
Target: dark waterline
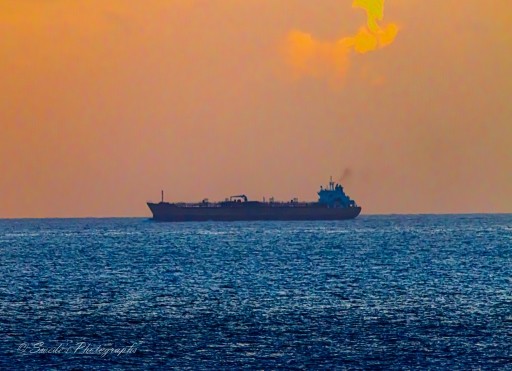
394	292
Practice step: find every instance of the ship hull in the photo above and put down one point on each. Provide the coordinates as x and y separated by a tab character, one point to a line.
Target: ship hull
172	213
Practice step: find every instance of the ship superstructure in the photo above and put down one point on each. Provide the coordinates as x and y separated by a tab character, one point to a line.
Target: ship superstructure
334	196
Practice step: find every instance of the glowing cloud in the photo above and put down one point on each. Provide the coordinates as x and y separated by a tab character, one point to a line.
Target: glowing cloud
312	57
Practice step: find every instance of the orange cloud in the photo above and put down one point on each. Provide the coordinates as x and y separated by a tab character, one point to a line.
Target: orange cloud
311	57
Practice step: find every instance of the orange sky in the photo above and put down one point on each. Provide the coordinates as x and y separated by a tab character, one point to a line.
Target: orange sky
105	102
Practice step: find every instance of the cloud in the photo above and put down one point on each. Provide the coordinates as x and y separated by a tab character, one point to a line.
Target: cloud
309	56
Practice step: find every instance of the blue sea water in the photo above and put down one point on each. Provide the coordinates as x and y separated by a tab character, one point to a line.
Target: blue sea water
377	292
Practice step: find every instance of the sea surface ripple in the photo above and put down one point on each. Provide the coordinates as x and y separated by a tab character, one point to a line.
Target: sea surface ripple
388	292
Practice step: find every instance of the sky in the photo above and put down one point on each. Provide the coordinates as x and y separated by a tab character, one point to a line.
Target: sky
103	103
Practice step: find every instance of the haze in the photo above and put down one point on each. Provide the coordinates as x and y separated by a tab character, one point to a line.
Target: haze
105	103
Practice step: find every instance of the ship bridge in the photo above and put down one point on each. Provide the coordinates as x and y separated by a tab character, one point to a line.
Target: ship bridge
334	196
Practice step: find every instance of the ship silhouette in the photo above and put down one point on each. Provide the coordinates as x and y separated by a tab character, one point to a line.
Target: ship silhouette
332	204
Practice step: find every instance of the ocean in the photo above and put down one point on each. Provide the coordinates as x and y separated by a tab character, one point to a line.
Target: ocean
378	292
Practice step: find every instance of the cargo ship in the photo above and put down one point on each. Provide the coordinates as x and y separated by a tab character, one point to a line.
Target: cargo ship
332	204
